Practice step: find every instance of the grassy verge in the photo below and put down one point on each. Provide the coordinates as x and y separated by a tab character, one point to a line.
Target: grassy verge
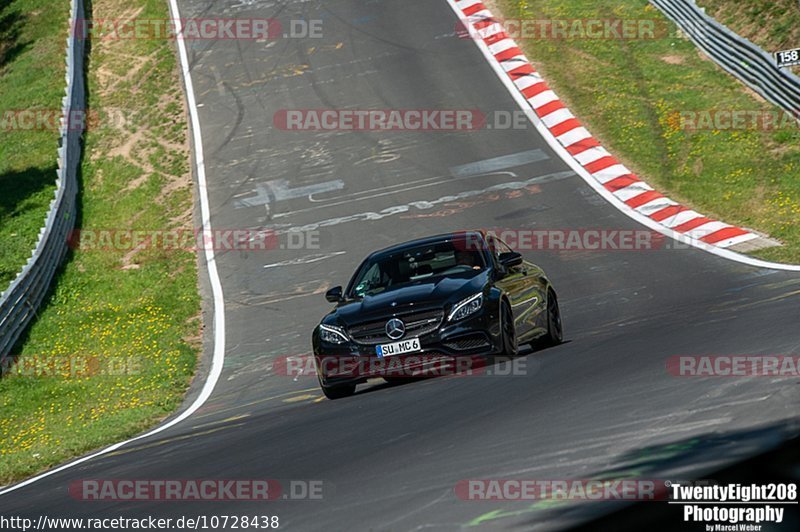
114	349
32	36
771	24
632	93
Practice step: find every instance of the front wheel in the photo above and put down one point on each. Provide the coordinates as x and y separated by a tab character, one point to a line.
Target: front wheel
555	330
337	392
510	346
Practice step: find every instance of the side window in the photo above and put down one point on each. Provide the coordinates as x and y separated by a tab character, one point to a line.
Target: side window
502	247
493	245
498	248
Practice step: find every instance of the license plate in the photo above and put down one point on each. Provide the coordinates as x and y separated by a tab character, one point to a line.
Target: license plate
398	348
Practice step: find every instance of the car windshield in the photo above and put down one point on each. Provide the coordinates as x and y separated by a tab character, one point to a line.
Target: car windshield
414	265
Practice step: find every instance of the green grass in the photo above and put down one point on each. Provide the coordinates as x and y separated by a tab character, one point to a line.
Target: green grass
629	94
134	314
772	24
32	49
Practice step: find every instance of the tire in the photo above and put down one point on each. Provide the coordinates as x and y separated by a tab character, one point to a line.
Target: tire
510	345
555	329
337	392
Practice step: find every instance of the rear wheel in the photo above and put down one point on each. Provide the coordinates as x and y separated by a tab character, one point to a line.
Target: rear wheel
555	330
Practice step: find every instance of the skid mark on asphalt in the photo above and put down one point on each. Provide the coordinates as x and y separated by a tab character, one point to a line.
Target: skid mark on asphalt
427	204
222	422
174	439
212	410
359	193
308	259
279	190
499	163
388	191
451	209
260	364
309	288
731	306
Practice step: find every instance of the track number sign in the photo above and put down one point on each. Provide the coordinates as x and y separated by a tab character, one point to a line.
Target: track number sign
788	57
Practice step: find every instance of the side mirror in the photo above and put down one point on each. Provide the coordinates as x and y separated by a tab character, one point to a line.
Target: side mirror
510	259
334	295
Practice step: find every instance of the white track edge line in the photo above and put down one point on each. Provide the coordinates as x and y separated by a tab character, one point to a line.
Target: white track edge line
219	311
216	286
598	187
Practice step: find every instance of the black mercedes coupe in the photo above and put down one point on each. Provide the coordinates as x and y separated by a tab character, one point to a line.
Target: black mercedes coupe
444	298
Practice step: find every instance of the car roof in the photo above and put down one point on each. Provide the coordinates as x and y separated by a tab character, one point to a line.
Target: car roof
434	239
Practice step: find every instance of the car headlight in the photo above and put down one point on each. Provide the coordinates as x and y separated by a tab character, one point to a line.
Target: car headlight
466	307
332	334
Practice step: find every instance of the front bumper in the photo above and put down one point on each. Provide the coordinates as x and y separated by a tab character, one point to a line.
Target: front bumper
453	348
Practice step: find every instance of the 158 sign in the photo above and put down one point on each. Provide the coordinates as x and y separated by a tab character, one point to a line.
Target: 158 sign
788	57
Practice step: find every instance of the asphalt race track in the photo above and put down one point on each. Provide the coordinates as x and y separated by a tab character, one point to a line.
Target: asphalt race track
389	457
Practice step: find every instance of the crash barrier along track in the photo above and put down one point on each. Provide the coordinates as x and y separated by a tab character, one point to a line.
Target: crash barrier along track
756	68
19	302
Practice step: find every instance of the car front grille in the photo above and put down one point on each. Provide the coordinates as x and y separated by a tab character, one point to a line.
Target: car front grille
418	323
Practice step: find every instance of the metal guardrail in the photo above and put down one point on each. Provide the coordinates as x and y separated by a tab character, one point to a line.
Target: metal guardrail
19	302
737	55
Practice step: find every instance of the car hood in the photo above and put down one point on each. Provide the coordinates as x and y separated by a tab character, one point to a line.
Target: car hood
434	292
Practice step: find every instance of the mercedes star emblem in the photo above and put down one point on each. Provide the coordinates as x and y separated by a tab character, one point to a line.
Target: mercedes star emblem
395	329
